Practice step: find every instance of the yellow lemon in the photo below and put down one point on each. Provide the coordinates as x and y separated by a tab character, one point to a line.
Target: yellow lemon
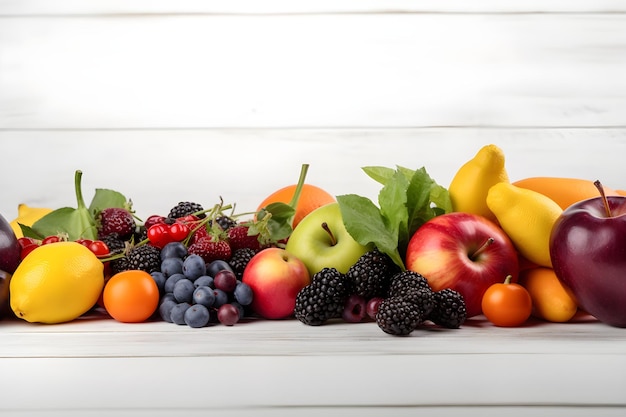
27	216
56	283
527	217
470	185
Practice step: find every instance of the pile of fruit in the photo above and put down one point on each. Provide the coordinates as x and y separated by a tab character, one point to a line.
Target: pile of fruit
422	255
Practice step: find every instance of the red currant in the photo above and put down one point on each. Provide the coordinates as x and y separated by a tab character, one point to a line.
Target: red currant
25	241
154	219
84	242
51	239
159	235
28	249
99	248
179	231
190	218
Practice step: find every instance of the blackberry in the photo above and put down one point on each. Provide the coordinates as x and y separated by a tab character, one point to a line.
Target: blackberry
398	316
115	244
323	299
185	208
119	265
449	310
144	257
371	274
423	299
239	260
401	281
225	222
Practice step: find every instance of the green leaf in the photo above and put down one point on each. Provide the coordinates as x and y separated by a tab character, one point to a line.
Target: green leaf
407	200
105	198
28	231
66	220
76	223
379	174
364	222
392	200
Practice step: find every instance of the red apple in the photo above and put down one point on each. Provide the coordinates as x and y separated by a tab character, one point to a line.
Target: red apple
465	252
276	277
588	252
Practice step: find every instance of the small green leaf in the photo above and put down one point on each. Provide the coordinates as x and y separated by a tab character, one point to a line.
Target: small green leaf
28	231
364	222
392	200
379	174
66	220
105	198
76	223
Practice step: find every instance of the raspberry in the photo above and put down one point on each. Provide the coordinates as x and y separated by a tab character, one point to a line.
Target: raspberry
371	274
211	250
323	299
239	238
115	220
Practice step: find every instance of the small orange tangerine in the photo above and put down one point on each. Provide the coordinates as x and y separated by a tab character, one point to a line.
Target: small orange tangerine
311	197
131	296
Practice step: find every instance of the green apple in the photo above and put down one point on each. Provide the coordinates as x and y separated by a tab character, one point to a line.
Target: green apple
321	240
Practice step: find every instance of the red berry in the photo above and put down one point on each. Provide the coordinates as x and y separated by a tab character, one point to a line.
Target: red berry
51	239
115	220
239	238
211	250
28	249
178	231
154	219
199	232
159	235
99	248
25	241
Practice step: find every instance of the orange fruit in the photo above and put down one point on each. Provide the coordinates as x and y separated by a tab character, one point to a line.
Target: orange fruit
311	197
564	191
131	296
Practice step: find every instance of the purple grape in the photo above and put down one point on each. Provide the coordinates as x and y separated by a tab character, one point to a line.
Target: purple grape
228	314
225	280
354	309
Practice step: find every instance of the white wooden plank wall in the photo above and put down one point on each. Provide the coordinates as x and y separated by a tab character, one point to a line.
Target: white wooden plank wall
250	90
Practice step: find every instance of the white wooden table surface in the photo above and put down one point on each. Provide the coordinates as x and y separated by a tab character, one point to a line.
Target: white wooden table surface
193	100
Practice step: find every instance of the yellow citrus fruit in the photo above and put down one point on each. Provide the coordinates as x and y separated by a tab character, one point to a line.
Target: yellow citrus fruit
56	283
311	197
470	185
27	216
527	217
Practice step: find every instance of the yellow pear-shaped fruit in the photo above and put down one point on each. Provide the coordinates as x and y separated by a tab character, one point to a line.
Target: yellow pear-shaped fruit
470	185
527	217
56	283
552	300
27	216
